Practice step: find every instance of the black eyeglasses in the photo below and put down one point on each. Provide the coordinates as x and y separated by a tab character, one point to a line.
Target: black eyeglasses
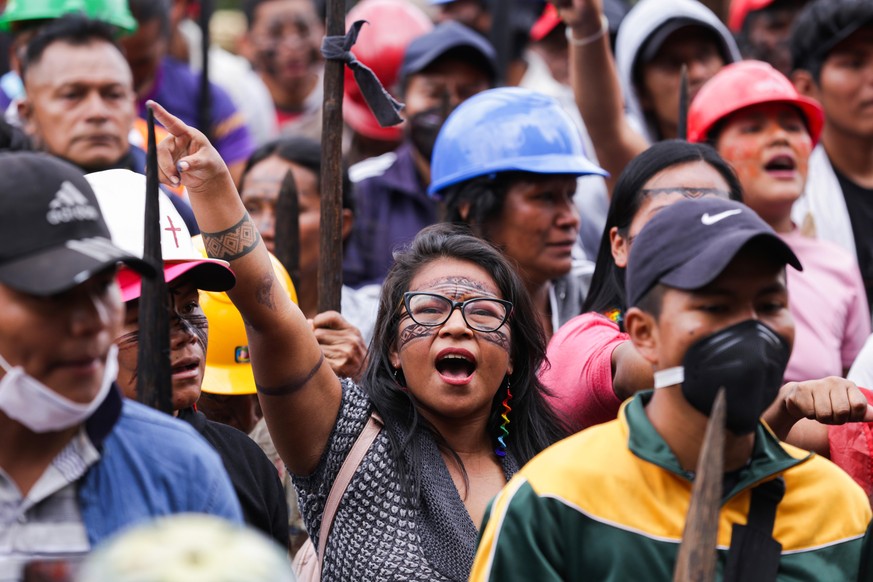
481	314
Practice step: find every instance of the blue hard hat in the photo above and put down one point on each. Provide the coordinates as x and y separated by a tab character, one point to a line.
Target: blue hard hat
507	130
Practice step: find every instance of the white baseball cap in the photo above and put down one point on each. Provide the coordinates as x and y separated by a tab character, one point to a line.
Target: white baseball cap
121	195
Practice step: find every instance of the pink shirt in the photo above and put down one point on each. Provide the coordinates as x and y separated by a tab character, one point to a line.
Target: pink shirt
580	376
829	306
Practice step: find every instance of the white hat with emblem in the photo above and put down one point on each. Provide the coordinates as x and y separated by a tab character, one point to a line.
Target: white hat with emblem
121	194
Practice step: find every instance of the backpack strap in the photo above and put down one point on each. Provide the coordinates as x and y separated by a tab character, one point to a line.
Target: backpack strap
754	555
347	470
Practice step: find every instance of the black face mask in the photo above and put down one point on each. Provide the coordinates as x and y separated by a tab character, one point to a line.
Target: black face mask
748	359
424	128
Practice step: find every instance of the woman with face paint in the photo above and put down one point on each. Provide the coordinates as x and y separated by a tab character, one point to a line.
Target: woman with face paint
452	377
755	118
511	175
186	272
758	122
593	366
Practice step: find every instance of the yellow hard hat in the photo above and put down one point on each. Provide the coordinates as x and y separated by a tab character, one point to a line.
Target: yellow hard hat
228	368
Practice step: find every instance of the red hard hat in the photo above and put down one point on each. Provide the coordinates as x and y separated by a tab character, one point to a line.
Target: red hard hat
546	23
739	9
742	85
381	45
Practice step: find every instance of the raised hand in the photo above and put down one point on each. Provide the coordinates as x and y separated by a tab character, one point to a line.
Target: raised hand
187	157
342	344
582	16
830	400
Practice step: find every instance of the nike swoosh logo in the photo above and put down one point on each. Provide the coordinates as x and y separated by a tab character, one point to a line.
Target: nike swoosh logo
710	220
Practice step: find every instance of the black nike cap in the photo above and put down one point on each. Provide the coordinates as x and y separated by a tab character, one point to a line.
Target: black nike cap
688	244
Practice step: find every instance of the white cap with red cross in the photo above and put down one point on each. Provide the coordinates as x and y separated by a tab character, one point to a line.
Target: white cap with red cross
121	194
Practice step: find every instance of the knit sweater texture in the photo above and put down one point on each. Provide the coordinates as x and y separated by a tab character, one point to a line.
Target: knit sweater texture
380	532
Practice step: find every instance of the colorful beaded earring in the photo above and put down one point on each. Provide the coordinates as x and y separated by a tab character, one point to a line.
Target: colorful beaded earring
500	451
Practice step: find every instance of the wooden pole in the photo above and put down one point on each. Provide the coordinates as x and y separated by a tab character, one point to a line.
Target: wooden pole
696	560
204	103
501	37
287	248
153	379
721	8
682	124
330	267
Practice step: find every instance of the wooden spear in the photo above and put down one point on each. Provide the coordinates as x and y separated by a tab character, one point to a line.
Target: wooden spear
153	380
697	553
682	123
330	266
287	248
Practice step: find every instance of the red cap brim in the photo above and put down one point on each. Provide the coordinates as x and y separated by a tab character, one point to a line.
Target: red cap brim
208	274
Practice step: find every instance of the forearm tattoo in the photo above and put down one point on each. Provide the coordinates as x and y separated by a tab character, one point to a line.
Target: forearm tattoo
264	292
292	386
234	242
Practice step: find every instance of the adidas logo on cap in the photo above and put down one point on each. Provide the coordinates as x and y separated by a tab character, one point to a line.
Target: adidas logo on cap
70	204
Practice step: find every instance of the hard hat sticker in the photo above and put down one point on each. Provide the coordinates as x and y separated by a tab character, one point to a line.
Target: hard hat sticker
241	355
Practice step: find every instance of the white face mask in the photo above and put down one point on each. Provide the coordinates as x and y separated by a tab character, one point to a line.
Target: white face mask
669	377
41	409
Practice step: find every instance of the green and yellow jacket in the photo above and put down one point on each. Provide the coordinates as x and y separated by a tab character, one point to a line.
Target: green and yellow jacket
609	504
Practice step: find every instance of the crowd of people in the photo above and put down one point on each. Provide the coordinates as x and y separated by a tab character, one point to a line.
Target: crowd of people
595	217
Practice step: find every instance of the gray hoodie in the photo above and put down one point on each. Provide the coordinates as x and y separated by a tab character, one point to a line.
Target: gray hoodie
640	23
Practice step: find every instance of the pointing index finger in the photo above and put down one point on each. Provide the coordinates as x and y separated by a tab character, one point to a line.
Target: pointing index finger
171	123
167	170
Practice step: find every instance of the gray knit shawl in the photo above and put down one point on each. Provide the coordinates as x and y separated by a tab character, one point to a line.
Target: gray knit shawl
379	532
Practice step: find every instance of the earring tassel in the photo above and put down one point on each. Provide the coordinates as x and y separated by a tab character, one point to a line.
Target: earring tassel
500	451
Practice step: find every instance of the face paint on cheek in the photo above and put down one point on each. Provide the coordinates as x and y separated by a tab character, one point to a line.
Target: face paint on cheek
745	159
128	340
196	325
414	332
266	58
127	343
803	165
804	150
497	338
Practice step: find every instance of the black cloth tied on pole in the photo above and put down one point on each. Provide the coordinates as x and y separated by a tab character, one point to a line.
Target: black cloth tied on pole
338	48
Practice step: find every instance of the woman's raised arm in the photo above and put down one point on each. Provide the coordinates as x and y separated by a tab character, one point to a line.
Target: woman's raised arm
299	394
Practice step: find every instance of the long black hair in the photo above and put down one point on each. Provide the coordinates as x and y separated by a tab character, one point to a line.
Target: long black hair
607	284
534	425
